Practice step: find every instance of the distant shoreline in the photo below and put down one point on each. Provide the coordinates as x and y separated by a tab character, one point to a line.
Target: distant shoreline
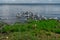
29	3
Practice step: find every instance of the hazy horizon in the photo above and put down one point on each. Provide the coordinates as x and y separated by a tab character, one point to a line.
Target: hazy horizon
29	1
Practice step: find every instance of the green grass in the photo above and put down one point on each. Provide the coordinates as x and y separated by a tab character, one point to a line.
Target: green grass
32	30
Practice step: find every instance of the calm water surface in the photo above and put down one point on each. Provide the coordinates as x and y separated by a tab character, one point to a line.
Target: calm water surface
8	12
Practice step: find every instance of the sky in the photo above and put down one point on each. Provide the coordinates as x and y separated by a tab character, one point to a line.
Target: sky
29	1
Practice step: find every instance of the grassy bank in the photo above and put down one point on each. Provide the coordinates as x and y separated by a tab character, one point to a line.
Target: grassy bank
32	30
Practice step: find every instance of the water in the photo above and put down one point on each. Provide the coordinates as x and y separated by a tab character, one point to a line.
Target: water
8	12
